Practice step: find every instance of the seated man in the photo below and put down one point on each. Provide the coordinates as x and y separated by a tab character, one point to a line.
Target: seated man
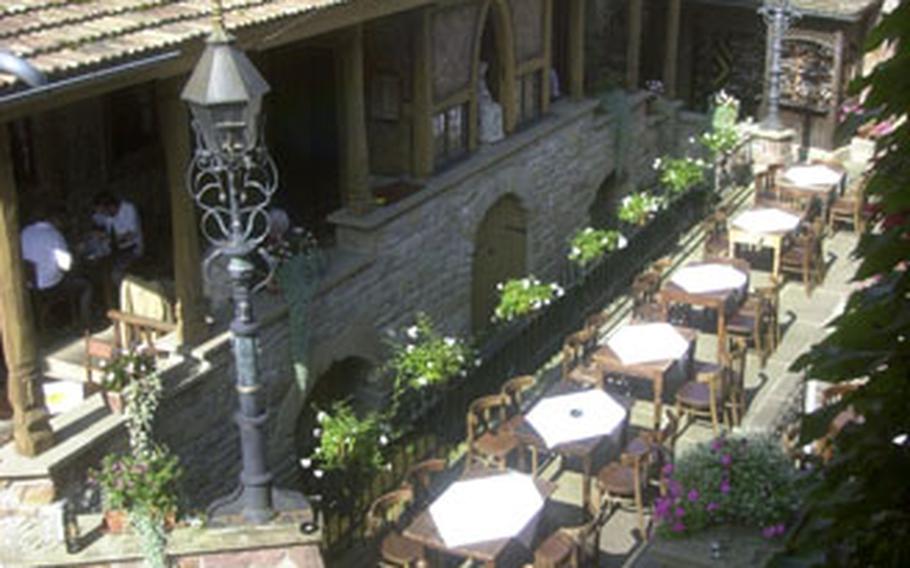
119	218
45	248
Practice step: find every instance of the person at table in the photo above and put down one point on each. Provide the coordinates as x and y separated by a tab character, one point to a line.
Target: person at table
119	218
45	248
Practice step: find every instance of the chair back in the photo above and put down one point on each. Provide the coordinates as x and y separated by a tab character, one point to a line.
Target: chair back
735	364
420	478
575	347
386	511
485	414
98	356
514	390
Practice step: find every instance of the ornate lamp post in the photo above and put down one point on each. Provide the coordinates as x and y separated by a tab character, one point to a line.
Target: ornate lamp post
232	178
778	16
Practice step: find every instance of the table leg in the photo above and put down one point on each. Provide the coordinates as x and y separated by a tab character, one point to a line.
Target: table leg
658	400
732	244
775	269
721	332
586	483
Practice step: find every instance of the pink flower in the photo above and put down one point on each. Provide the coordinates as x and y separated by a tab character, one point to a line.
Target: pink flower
712	506
726	460
678	527
674	488
667	469
717	444
779	529
680	512
768	532
725	486
693	495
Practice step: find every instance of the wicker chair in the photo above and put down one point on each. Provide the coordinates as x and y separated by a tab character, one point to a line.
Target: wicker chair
489	439
382	526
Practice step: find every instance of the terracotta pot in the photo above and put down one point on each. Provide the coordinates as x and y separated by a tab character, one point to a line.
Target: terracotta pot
115	401
116	521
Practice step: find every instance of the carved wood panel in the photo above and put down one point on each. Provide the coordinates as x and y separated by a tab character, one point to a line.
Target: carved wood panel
808	75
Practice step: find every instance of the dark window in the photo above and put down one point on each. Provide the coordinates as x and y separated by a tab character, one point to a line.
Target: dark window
132	121
23	150
450	134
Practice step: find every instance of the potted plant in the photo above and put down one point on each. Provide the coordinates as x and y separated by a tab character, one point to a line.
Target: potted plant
637	208
522	296
679	175
122	370
146	482
589	245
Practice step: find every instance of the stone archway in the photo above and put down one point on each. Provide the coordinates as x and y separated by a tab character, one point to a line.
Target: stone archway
602	211
500	253
494	35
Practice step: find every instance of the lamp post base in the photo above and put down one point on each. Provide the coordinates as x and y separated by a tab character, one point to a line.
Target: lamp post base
288	506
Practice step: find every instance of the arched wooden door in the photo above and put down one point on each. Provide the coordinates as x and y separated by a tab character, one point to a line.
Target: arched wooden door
500	253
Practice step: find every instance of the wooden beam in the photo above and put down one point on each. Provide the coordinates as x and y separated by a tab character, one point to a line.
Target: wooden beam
577	49
422	116
355	160
174	126
671	48
633	46
31	426
547	56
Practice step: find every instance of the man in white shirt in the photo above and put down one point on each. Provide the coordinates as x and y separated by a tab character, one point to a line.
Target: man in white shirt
120	219
44	247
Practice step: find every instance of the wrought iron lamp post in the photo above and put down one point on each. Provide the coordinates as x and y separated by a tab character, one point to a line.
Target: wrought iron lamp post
232	178
779	16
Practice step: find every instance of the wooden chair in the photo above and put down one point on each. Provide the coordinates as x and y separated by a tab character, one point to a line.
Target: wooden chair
752	326
576	365
771	294
656	446
576	546
804	257
490	441
98	355
849	208
766	183
655	310
735	370
133	330
421	476
644	288
514	390
705	396
622	482
382	526
717	241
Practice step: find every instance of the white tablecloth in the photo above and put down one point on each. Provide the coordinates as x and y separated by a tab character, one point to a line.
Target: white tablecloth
767	220
489	508
816	176
643	343
708	278
577	416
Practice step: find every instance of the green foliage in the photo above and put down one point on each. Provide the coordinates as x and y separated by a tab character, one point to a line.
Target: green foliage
737	480
127	366
521	296
679	175
858	510
723	137
148	482
426	357
589	244
637	208
347	442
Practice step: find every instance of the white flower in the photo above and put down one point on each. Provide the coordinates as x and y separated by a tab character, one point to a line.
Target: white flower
321	416
318	473
422	381
656	164
477	362
383	440
412	332
691	140
622	242
526	284
305	463
499	286
450	341
409	349
430	365
536	304
575	251
317	432
388	466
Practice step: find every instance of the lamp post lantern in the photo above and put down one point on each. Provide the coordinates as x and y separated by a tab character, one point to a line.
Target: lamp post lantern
778	16
232	178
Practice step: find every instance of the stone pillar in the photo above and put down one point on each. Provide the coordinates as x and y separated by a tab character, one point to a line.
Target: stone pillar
633	47
31	427
355	161
671	48
772	146
174	125
422	145
577	49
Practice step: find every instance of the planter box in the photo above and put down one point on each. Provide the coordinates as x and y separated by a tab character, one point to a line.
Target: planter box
739	547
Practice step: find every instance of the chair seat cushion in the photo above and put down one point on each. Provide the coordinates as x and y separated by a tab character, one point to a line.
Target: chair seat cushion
740	323
400	549
555	550
617	479
696	395
499	443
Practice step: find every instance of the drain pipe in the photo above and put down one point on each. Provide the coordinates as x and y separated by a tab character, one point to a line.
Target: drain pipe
25	71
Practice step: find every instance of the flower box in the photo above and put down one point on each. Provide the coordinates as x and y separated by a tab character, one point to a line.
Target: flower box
727	546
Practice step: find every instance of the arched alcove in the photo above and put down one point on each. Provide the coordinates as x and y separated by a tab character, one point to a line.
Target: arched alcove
494	41
500	253
602	212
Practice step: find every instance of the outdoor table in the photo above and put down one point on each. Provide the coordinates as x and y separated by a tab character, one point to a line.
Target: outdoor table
763	226
807	181
648	351
574	422
710	285
478	516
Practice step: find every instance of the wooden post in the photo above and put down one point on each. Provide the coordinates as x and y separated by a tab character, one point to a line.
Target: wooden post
633	47
355	161
671	48
422	139
577	49
31	427
173	123
547	56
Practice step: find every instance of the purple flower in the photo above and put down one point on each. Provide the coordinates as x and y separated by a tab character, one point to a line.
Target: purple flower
678	527
712	506
680	512
779	529
768	532
662	507
674	488
717	444
693	495
726	460
725	486
667	469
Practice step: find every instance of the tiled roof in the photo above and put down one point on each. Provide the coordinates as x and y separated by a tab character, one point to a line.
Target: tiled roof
60	37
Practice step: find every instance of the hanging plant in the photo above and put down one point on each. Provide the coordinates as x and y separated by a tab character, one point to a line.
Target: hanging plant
638	208
522	296
679	175
589	244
